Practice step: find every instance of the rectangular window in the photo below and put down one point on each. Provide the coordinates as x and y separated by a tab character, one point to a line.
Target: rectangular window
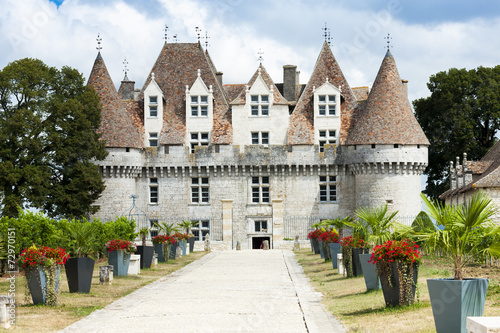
198	139
260	138
326	137
260	226
259	105
153	139
199	190
153	190
327	102
201	229
328	188
153	106
260	190
199	106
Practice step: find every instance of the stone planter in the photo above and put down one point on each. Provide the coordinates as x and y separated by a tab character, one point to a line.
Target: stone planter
79	274
369	272
146	253
334	251
38	284
454	300
396	290
120	261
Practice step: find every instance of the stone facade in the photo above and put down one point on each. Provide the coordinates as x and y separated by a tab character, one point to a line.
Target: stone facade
251	165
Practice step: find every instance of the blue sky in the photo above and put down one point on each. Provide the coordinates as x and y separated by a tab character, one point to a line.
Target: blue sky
427	36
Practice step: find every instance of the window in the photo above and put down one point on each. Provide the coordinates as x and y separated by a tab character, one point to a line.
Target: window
260	138
201	230
154	227
327	105
260	190
259	105
326	137
198	139
260	226
153	190
153	106
153	139
328	188
199	106
199	190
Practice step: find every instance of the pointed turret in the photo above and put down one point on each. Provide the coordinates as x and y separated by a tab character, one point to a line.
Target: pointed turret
302	120
387	117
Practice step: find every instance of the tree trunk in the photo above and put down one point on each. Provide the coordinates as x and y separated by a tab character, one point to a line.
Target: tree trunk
458	267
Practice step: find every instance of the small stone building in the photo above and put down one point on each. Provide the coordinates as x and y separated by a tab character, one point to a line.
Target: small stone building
258	160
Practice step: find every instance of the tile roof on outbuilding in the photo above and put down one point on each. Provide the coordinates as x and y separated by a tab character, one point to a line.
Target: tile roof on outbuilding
387	117
120	124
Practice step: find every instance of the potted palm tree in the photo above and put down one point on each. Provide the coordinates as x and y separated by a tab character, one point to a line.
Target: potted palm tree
334	246
169	230
187	225
81	243
146	252
462	232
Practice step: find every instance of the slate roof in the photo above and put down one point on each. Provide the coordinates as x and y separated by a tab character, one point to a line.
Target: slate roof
234	90
121	126
278	98
361	93
177	66
301	130
387	117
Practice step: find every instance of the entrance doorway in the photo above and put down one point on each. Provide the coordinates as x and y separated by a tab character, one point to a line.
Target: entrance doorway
257	242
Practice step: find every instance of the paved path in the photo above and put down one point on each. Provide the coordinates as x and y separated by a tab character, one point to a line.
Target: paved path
229	291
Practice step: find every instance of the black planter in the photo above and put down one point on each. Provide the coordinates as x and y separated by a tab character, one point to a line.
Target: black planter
191	241
321	250
326	250
454	300
335	249
369	272
356	263
79	274
315	245
160	251
391	283
39	286
146	253
173	250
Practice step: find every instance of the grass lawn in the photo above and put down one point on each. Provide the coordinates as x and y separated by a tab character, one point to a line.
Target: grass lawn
73	306
362	311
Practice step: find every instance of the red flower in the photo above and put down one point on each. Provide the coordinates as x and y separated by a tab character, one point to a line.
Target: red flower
404	251
314	234
329	237
120	244
353	242
42	256
163	239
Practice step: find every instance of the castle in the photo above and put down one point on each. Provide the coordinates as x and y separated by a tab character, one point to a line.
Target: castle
256	161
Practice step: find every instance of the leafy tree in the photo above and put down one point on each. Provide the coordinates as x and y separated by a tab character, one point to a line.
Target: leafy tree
462	114
48	132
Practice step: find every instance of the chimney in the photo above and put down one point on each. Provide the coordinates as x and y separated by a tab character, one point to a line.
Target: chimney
219	77
405	87
290	76
127	88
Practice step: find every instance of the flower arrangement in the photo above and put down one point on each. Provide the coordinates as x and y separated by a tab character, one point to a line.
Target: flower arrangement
163	239
329	237
121	244
353	242
405	251
42	256
315	233
180	236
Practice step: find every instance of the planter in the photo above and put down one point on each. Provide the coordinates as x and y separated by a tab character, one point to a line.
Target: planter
356	263
79	274
38	284
120	261
183	245
369	272
396	290
315	242
454	300
321	253
146	253
326	251
312	247
173	250
334	250
160	251
191	241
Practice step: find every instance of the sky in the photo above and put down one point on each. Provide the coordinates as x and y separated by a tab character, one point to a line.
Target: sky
427	36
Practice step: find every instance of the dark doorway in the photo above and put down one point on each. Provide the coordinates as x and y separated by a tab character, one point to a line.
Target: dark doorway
257	242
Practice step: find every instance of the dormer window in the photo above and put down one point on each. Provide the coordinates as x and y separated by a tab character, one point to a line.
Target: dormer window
260	138
199	106
153	139
327	105
153	106
326	137
259	105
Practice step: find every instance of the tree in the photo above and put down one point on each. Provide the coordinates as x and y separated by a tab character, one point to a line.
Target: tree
48	132
462	114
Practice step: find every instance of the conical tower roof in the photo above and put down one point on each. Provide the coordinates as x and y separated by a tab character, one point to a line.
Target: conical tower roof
120	124
387	117
301	129
175	68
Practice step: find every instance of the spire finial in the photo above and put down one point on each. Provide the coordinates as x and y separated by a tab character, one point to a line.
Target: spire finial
388	41
206	40
198	33
175	38
125	68
260	59
165	31
99	39
152	76
326	34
